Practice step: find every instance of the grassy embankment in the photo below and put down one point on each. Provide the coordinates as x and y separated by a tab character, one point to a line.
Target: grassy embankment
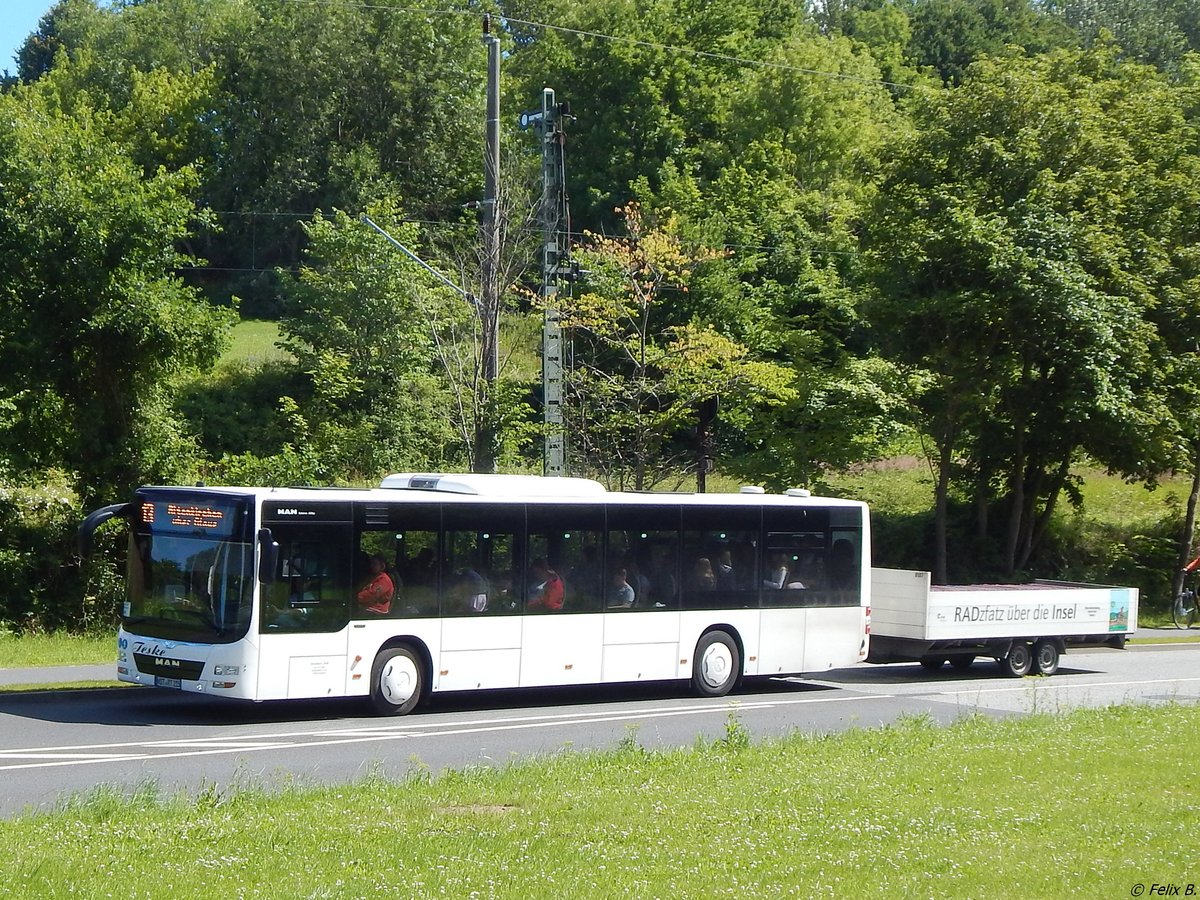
59	649
1088	804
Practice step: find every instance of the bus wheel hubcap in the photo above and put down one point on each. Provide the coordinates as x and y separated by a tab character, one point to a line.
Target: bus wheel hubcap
716	665
398	680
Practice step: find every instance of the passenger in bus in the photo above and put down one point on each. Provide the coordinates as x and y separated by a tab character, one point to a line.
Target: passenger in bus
586	575
664	585
301	594
546	590
777	576
620	593
422	569
641	578
471	590
725	578
376	595
703	578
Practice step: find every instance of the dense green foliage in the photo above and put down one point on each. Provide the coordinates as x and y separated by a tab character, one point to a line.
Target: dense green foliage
972	224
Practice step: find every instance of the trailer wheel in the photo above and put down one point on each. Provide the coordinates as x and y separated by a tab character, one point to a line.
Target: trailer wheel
1019	661
397	681
932	663
962	663
1045	657
717	665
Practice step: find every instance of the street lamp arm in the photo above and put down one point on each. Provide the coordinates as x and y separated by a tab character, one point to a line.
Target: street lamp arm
466	295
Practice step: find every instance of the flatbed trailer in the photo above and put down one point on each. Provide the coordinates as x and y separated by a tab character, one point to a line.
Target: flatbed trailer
1024	627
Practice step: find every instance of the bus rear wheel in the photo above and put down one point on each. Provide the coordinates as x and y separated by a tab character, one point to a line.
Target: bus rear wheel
716	665
397	681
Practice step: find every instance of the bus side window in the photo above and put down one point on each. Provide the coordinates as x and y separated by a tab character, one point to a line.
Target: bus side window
311	590
644	540
719	546
571	541
480	572
378	586
416	555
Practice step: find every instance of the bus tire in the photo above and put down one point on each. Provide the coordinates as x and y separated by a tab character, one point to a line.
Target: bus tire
716	666
1019	661
397	681
1045	657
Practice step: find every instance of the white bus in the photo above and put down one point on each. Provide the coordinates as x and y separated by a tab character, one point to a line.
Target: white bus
496	581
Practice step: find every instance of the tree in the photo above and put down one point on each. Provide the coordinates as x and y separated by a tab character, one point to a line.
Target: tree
640	102
1158	32
363	329
312	106
882	26
95	321
801	157
1020	240
949	35
640	380
1175	218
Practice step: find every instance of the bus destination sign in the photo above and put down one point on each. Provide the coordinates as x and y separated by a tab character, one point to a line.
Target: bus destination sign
181	515
202	517
218	518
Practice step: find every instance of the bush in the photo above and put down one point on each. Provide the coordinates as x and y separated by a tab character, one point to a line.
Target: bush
42	585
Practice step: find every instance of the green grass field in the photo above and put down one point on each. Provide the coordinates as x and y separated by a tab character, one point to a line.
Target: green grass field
253	344
1086	804
59	649
905	486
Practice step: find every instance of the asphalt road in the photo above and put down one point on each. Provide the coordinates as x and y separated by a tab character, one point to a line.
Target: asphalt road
56	744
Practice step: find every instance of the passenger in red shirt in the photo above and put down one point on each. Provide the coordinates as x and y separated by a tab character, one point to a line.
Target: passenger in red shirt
376	597
546	591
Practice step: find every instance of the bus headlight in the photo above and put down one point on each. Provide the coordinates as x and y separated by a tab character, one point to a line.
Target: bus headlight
227	670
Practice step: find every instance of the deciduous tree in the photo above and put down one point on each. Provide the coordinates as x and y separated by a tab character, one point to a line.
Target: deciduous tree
1022	239
95	319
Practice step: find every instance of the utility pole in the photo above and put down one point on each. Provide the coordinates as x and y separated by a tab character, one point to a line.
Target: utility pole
555	265
489	233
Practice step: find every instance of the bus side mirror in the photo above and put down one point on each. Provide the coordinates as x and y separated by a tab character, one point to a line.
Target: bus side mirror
83	536
268	556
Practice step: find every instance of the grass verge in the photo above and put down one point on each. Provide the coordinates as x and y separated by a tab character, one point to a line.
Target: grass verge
61	686
57	649
1089	804
1181	637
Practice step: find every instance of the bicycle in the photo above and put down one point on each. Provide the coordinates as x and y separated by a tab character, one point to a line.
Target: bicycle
1184	610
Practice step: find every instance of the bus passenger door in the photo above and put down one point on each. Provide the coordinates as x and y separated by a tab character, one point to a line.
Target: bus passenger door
305	610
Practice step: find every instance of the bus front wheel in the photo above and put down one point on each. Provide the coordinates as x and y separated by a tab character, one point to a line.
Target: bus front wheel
397	681
716	665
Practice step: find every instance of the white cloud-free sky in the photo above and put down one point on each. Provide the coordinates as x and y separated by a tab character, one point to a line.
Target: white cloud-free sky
18	20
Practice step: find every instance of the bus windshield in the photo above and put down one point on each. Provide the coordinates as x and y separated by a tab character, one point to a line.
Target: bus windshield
190	570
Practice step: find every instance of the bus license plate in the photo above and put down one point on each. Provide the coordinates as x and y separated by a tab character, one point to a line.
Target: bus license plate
159	681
